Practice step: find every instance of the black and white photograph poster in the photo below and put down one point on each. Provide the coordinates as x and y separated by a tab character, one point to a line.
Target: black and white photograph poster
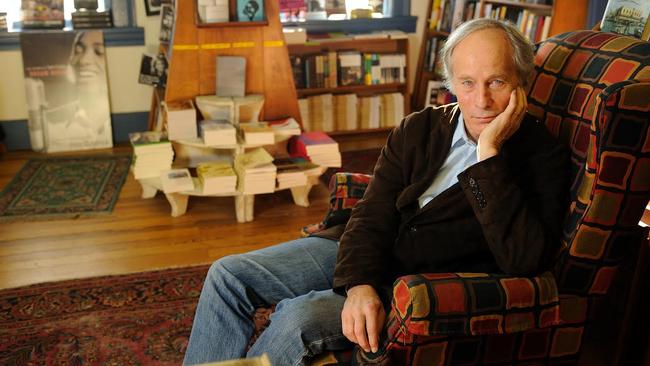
67	90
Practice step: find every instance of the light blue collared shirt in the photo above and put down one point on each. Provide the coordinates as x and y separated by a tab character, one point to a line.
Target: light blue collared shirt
462	155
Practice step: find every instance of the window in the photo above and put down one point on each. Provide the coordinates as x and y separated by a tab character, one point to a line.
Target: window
12	8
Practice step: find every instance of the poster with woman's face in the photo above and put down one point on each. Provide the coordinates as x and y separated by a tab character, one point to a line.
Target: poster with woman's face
67	90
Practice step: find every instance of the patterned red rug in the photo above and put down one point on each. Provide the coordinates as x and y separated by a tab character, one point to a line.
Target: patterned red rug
135	319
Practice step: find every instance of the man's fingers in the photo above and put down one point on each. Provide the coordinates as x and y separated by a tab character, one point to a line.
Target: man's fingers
371	325
348	327
360	333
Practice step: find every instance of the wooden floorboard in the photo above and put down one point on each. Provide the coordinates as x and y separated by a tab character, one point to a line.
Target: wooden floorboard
140	234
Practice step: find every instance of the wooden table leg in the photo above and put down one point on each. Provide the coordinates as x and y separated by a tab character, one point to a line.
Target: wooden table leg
178	202
301	195
249	201
148	191
240	208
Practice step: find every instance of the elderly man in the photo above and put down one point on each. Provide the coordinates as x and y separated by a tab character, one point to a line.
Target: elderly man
476	186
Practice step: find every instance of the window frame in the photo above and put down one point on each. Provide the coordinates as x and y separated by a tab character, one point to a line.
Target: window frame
130	35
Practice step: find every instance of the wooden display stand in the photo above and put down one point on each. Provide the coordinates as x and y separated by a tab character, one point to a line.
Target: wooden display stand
194	48
192	72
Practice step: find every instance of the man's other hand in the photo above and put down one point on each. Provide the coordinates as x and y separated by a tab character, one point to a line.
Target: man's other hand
503	126
363	317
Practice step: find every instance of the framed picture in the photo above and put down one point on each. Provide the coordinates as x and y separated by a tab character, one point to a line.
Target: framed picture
250	10
433	93
152	7
628	17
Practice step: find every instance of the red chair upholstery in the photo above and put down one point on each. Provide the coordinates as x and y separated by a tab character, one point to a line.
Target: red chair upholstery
592	90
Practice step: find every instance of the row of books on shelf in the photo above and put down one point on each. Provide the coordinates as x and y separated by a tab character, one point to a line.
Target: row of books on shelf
347	112
534	26
431	63
253	172
446	15
332	69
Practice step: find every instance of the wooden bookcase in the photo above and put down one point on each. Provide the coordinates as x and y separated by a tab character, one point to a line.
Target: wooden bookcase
371	45
566	15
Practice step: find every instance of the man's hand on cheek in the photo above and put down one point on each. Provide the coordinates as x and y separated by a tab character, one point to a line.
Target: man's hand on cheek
362	317
502	126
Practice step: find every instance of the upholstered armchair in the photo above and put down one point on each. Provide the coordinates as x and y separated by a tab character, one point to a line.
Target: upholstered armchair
592	90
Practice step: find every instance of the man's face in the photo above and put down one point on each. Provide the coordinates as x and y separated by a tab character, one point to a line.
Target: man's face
483	75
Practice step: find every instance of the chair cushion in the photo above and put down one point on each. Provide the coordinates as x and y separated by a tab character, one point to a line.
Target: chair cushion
474	303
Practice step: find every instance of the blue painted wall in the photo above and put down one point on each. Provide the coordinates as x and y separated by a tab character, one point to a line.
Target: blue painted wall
17	134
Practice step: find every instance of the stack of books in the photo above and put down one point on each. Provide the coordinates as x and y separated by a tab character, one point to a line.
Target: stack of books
256	172
217	133
217	178
285	127
180	119
290	173
258	133
318	147
176	180
153	153
87	19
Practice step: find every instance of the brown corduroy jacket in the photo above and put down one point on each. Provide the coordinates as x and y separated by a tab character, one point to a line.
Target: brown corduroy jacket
504	214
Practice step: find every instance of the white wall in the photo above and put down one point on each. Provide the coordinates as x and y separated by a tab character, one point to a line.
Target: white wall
123	64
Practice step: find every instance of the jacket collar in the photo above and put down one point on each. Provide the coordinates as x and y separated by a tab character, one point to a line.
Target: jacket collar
437	150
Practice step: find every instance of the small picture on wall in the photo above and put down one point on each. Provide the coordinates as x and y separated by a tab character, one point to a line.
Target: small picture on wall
628	17
152	7
250	10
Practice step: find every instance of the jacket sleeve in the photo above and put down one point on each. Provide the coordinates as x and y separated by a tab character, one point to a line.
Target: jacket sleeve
365	247
521	218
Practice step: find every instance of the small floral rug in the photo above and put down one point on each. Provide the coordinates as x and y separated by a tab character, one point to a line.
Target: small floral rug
135	319
64	187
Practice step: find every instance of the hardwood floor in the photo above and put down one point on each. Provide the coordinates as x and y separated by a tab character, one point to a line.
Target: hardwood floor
140	234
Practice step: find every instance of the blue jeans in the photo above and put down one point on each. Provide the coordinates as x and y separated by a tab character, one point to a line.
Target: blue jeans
297	276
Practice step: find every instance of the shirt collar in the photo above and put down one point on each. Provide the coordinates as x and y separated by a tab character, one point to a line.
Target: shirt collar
460	134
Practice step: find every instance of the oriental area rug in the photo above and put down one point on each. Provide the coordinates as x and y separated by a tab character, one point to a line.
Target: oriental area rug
64	187
135	319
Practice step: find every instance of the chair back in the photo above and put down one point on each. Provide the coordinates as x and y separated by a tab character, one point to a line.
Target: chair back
592	90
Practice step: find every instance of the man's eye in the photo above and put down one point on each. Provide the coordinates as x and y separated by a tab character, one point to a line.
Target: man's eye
467	83
497	83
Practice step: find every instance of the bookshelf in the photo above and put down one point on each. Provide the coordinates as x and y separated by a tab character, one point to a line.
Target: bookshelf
564	15
381	45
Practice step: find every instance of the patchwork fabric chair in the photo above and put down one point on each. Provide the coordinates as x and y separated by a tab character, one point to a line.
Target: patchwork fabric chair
592	90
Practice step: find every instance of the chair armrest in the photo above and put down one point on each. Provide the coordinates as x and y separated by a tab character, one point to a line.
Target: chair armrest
474	303
346	189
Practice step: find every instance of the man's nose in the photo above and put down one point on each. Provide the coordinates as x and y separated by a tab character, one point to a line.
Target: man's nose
483	97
